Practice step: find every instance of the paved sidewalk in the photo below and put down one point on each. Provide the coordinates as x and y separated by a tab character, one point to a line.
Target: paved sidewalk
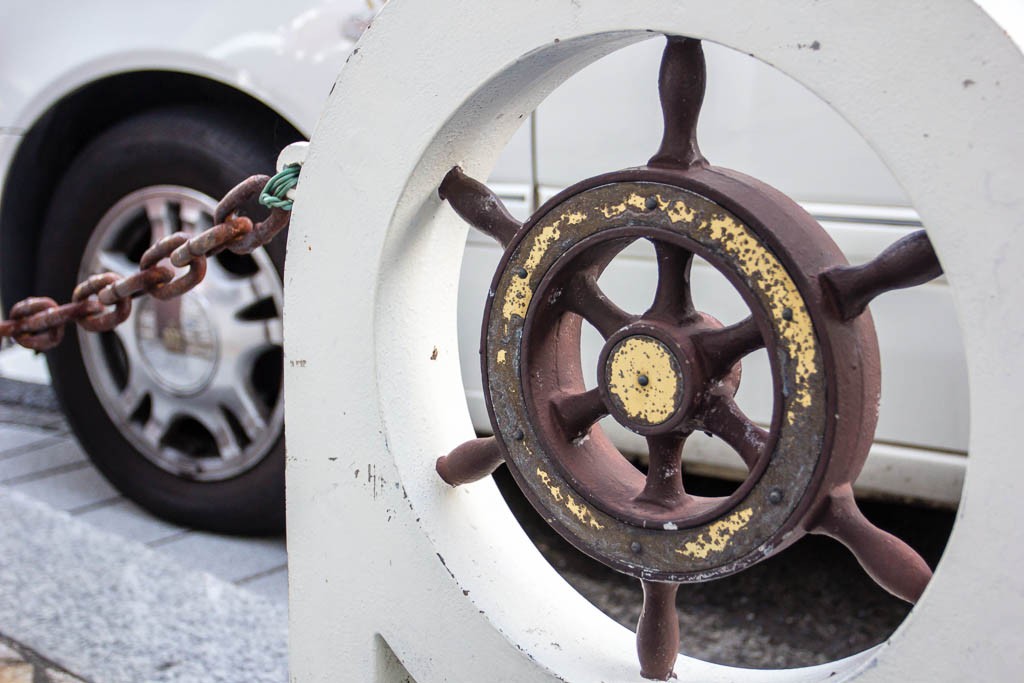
91	585
41	459
114	611
18	664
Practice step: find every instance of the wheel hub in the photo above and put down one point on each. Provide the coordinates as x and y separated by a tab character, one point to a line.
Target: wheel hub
643	380
178	343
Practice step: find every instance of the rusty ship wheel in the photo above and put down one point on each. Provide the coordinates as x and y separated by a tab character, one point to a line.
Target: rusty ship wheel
673	370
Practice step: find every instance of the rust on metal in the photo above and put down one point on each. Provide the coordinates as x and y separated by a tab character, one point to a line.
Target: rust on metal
681	87
470	462
162	250
887	559
672	369
657	631
38	322
478	206
907	262
102	322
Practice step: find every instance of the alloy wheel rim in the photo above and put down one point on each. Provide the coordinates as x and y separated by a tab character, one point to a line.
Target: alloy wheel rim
194	384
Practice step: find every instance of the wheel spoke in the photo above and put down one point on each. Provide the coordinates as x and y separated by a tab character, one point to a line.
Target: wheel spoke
470	462
132	395
672	299
113	262
725	420
722	348
657	632
161	219
907	262
664	485
158	423
478	206
893	564
220	429
578	412
193	217
681	87
240	402
585	298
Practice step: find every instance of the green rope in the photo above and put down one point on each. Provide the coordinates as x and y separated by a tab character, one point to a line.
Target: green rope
275	194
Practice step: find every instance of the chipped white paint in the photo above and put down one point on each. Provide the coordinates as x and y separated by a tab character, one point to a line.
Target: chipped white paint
455	556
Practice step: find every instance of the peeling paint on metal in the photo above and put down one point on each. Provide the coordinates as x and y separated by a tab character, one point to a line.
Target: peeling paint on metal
655	401
579	510
517	298
768	274
718	536
502	355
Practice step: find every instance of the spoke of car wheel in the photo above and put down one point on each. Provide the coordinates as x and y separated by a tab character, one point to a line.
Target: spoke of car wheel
664	485
107	261
657	631
161	218
907	262
478	206
672	300
216	423
245	406
578	412
470	462
681	82
133	393
893	564
720	349
192	216
158	422
232	297
724	419
584	297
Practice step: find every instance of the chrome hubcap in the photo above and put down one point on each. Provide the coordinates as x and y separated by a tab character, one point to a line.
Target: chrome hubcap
193	383
177	343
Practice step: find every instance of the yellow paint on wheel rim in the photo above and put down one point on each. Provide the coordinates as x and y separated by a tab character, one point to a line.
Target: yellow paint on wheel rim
644	379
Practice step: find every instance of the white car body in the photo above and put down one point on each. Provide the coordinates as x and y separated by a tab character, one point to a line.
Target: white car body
285	58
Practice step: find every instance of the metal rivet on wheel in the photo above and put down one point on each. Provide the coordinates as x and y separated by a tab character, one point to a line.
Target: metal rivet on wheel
787	313
635	547
518	436
642	380
775	496
521	273
651	203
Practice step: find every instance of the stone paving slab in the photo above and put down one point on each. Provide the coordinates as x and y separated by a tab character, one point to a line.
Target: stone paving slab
18	664
128	520
272	585
13	437
40	460
115	611
22	416
68	490
232	559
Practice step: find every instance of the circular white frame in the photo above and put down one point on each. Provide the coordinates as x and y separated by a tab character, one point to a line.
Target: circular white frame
381	551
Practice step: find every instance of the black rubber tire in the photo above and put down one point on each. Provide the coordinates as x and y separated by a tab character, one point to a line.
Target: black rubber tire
191	146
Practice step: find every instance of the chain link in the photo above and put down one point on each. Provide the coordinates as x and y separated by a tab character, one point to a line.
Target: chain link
103	301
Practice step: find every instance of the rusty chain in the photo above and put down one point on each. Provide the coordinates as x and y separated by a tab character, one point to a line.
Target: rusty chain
103	301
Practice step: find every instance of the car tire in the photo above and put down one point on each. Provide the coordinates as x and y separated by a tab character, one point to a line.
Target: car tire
182	159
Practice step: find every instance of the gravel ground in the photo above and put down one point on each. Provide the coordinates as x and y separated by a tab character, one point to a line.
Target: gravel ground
809	605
